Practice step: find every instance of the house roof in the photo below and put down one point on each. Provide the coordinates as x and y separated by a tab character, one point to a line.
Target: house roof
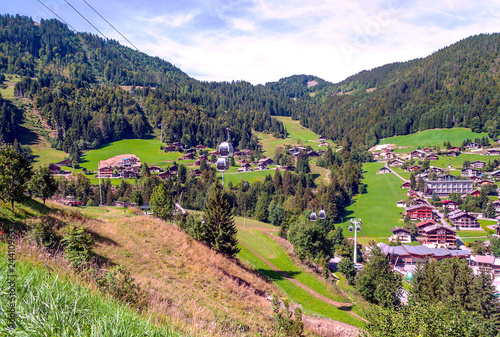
484	259
426	223
460	252
411	208
440	251
445	202
418	250
433	227
400	229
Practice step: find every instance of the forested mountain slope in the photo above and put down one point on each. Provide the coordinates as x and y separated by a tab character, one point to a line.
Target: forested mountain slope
455	86
73	81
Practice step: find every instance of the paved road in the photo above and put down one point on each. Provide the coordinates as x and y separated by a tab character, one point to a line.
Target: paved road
403	179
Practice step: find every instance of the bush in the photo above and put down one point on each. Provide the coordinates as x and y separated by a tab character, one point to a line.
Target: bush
42	232
91	203
77	246
192	225
346	267
118	283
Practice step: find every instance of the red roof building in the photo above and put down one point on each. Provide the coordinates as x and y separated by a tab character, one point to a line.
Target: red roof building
419	212
451	205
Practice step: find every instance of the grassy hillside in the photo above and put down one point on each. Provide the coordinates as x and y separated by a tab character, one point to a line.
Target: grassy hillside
434	137
377	207
52	304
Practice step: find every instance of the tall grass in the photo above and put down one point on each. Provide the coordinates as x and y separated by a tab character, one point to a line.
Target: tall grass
51	305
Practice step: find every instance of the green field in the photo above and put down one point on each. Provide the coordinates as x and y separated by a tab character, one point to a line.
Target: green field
297	135
8	92
435	137
148	151
376	208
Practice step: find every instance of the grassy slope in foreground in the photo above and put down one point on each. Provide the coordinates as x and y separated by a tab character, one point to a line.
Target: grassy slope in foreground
51	305
435	137
377	207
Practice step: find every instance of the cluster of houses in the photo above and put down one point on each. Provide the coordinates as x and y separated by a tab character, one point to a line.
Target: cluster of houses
126	168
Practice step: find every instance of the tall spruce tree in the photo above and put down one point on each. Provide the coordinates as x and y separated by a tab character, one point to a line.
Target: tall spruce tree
161	202
15	172
220	230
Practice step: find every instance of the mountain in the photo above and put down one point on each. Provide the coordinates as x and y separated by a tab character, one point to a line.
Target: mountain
92	91
457	86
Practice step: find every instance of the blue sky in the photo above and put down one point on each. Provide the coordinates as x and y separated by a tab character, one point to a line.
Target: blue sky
261	41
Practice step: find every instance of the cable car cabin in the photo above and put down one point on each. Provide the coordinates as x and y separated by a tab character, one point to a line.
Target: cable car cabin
322	214
222	164
226	149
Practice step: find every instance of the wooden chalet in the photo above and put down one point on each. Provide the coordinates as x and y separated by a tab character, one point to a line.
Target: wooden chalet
200	147
65	162
495	173
478	164
413	168
455	148
451	205
406	184
174	169
463	220
322	138
424	224
493	152
313	153
197	162
476	179
267	161
154	169
417	154
323	144
439	235
188	156
475	193
486	182
179	146
432	156
170	148
384	170
105	172
403	234
287	168
245	167
396	162
419	212
129	174
197	172
427	149
470	172
262	166
453	154
164	175
472	146
54	169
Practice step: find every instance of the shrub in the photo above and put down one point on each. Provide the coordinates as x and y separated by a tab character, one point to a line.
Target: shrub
118	283
42	232
77	246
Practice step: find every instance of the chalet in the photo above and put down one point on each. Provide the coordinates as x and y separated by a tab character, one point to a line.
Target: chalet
472	146
486	182
190	151
287	168
174	169
197	172
476	179
384	170
432	156
427	150
413	168
420	201
495	173
187	156
419	212
65	162
403	234
462	220
475	193
451	205
164	175
439	235
245	153
321	152
155	169
405	255
267	161
54	169
313	154
128	174
453	154
470	172
478	164
446	177
197	162
243	161
493	152
437	170
389	155
200	147
455	149
246	167
412	194
128	162
323	144
446	187
105	172
424	224
417	154
488	264
401	203
396	163
170	148
178	146
406	184
387	150
295	150
262	166
322	138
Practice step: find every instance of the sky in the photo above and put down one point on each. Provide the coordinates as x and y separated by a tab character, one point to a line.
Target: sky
262	41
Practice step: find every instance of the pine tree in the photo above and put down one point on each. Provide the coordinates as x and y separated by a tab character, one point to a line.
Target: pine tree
42	184
15	172
220	229
485	302
161	203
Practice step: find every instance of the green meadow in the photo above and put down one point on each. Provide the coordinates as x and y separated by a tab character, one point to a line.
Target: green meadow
148	151
377	207
435	137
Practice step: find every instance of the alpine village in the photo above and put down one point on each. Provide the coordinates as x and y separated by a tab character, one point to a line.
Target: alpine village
139	201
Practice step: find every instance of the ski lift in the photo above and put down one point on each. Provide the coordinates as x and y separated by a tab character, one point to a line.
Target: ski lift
226	149
358	228
350	229
313	215
322	213
222	164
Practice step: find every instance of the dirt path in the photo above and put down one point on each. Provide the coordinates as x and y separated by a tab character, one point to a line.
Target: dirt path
395	173
343	306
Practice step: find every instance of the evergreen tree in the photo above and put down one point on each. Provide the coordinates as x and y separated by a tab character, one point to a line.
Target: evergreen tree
42	184
220	229
495	246
484	300
15	172
145	170
413	181
276	213
161	203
